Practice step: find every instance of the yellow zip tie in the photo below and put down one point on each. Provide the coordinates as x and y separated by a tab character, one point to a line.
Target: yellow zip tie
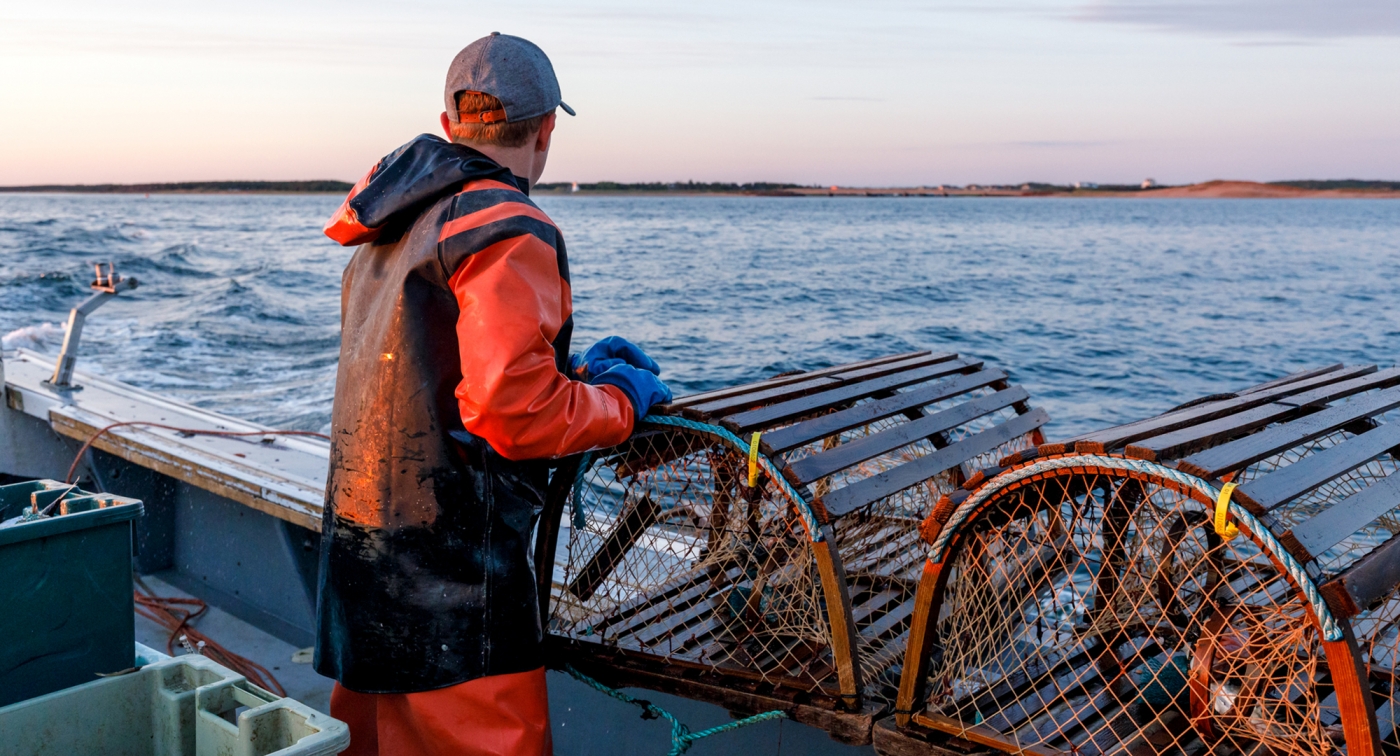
753	459
1223	527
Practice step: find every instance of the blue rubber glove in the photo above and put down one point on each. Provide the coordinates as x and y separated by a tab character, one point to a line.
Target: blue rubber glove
607	353
642	388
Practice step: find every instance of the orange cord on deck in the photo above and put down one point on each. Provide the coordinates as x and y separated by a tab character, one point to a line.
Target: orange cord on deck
192	431
173	615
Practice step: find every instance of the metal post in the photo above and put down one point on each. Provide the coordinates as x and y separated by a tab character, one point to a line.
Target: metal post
106	285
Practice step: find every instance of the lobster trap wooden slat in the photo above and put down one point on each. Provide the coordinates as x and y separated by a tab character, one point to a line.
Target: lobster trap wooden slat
728	405
1118	436
1333	525
1310	473
795	377
782	412
1237	454
1181	442
1292	377
1364	584
846	455
775	567
858	373
1160	629
808	431
720	407
1369	379
858	495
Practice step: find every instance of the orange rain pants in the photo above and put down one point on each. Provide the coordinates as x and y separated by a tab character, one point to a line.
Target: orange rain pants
498	715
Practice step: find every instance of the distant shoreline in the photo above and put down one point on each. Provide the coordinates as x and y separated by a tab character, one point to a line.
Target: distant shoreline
1301	189
1305	189
324	186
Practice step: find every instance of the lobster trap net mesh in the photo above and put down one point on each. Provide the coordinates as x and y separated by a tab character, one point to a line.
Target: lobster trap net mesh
670	553
1378	634
879	545
667	551
1329	494
1090	612
1377	629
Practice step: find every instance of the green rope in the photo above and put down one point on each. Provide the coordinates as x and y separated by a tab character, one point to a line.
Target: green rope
681	736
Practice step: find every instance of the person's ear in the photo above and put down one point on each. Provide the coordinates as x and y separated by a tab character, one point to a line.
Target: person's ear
446	125
546	131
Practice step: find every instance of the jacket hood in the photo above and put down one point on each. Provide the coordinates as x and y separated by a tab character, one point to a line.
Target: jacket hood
406	180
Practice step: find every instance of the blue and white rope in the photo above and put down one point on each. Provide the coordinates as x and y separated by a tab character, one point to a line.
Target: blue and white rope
799	502
1331	631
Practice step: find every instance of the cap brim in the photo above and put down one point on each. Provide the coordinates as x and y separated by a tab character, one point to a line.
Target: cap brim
566	108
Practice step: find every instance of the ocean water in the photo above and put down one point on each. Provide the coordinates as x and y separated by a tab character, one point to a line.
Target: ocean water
1106	310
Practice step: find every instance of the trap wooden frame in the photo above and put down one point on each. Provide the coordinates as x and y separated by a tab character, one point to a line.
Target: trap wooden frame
853	457
1317	508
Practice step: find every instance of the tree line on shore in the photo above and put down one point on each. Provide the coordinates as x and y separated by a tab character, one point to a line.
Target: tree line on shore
658	187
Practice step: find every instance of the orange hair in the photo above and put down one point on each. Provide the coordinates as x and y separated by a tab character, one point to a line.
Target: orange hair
502	134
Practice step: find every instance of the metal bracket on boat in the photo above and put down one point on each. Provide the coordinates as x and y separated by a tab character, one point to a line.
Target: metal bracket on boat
106	285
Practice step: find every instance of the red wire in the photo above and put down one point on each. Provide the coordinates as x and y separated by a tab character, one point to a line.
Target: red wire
171	614
192	431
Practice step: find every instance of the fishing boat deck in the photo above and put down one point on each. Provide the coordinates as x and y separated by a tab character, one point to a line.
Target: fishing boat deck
585	722
234	521
284	476
299	679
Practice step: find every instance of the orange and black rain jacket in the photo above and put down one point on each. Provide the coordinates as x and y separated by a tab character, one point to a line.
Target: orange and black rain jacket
451	398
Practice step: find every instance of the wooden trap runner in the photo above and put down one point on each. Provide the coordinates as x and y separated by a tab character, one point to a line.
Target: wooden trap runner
1223	578
777	572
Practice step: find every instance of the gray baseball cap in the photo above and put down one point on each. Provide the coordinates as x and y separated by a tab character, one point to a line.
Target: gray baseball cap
513	70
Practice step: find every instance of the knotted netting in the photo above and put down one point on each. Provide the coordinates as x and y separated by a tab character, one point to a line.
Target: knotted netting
764	539
1091	606
668	551
1376	628
879	544
671	553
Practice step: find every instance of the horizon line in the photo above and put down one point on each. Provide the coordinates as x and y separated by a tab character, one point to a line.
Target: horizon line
338	185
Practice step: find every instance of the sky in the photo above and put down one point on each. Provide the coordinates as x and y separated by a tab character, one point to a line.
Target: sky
813	92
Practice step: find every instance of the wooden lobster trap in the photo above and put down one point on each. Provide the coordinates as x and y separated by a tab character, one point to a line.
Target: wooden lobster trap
1221	578
757	546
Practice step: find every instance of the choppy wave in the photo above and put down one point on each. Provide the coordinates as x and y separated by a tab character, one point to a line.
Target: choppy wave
38	337
1107	310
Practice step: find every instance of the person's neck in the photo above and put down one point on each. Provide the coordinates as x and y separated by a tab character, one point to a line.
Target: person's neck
518	160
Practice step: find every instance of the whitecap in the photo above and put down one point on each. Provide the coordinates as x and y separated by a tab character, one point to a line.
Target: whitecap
37	337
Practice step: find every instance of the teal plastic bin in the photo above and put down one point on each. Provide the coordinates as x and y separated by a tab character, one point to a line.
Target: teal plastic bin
181	706
66	607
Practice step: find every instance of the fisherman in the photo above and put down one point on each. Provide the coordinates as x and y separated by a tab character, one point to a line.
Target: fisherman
454	393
